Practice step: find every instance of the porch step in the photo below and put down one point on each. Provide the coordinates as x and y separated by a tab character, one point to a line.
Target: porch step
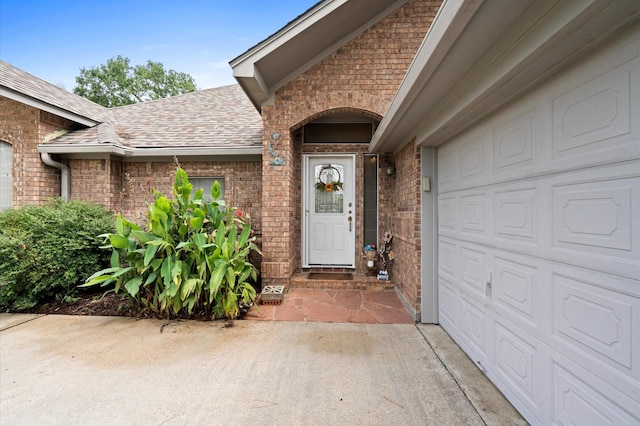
357	282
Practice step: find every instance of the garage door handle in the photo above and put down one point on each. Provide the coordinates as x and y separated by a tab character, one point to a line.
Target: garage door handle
488	286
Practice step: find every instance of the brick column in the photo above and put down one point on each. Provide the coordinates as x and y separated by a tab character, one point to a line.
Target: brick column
278	192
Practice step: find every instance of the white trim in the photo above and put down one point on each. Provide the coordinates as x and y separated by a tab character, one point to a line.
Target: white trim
10	94
429	236
148	152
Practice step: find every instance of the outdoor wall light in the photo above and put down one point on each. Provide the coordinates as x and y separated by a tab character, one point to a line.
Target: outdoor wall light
390	170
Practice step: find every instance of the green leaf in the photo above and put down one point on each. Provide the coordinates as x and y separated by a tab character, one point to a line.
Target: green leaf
156	263
133	285
244	237
122	271
216	279
231	305
97	280
106	271
165	271
115	259
151	278
144	237
231	237
188	287
196	223
197	197
163	204
183	244
216	190
200	240
119	241
231	278
158	214
120	224
220	234
149	254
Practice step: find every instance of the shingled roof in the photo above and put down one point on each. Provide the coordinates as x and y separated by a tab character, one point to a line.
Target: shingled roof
21	82
222	118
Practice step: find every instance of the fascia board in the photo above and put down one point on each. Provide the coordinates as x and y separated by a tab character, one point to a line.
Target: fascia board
523	58
244	63
60	112
83	149
148	152
450	21
195	151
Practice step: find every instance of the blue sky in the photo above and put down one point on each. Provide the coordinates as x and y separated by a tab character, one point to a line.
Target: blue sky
53	39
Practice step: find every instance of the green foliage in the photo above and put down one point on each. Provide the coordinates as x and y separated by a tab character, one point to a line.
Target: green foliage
118	83
46	251
192	255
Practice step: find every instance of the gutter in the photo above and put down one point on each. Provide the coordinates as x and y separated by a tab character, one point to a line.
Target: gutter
65	182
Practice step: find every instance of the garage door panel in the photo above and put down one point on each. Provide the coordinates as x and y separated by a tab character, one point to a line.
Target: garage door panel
581	398
447	302
474	213
474	275
474	328
448	212
513	143
448	258
514	289
473	159
518	362
596	322
596	216
596	117
514	214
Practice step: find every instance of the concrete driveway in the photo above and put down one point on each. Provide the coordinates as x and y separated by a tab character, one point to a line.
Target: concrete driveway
77	370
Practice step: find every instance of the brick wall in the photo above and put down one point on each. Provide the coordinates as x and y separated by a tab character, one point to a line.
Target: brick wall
402	216
96	180
362	77
24	127
133	184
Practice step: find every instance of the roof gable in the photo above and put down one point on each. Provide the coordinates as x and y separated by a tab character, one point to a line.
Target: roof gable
21	86
304	42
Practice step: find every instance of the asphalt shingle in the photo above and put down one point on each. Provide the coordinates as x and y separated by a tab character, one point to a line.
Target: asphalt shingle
220	117
22	82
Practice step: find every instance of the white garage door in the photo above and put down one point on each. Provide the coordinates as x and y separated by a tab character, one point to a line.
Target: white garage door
539	244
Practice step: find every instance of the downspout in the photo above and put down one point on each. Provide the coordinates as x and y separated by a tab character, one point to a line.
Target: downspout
65	187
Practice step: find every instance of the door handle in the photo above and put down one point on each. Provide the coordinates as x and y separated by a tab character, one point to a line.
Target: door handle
350	219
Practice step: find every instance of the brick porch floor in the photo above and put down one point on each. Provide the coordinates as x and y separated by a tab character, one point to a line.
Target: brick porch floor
335	305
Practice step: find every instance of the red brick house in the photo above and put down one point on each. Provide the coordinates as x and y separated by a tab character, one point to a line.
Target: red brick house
511	138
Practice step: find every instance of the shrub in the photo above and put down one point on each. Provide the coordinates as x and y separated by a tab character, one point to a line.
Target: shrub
193	255
46	251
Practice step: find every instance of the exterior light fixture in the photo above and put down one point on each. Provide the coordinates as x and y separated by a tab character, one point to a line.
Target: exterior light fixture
390	170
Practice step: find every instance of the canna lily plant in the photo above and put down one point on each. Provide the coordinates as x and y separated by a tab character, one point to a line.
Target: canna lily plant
192	255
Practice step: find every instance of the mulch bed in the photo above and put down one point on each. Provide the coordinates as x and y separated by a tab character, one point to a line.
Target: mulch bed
109	304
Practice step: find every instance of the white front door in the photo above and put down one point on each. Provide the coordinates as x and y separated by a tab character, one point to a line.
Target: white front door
329	211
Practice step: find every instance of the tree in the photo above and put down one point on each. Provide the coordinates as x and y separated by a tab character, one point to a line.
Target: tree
118	83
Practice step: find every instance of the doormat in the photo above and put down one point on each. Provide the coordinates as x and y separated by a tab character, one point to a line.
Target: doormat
330	276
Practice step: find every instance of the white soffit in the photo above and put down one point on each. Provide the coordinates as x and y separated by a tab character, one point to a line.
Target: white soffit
480	55
303	43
